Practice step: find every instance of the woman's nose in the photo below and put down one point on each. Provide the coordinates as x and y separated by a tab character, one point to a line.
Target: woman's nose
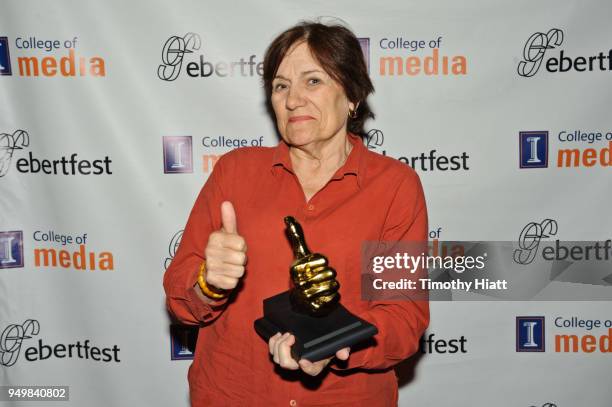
295	98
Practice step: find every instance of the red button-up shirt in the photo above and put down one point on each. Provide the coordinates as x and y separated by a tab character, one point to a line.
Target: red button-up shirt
370	198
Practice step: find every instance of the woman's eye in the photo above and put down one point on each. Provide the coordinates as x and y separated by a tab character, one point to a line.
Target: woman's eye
314	81
279	86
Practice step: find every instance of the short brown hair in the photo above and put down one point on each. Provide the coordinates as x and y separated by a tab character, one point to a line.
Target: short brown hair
337	49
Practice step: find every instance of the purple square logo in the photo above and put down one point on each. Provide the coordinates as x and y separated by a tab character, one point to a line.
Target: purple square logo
5	57
183	341
533	149
178	155
365	48
11	249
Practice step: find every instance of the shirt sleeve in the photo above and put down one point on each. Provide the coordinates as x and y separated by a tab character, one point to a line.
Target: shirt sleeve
400	323
181	276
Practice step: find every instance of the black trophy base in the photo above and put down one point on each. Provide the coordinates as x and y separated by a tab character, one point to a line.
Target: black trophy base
316	337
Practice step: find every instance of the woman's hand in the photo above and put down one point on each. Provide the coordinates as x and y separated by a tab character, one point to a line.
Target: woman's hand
280	349
225	252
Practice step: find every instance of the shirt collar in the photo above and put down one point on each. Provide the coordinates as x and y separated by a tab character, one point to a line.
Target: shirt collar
354	165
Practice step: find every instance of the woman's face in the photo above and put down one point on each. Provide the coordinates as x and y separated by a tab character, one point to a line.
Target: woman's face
310	106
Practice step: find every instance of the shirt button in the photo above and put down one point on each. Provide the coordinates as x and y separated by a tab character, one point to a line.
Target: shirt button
311	207
293	403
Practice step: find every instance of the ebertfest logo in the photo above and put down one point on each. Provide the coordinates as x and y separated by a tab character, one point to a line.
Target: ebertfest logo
31	164
538	44
13	336
173	247
174	51
533	233
530	238
425	161
8	144
584	262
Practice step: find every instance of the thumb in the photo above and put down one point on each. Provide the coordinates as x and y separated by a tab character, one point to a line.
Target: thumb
228	218
343	354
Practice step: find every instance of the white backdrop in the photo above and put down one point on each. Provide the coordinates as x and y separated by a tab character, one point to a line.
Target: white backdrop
83	78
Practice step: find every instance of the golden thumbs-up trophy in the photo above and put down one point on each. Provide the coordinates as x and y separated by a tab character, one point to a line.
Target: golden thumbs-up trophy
316	287
311	310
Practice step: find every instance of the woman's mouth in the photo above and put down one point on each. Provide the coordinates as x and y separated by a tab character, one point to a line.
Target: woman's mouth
296	119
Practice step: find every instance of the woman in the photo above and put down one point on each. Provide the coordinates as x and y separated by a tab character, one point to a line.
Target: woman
342	194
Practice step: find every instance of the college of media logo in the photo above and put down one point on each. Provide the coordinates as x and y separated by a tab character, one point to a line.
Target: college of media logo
530	238
425	161
178	154
530	334
178	151
419	57
533	149
79	258
14	335
5	57
8	144
538	44
73	253
587	335
41	57
176	48
11	249
572	334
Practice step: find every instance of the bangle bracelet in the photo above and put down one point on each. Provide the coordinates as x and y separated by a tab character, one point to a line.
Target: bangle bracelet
209	291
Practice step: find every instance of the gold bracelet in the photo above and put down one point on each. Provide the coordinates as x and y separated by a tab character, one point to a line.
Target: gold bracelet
210	292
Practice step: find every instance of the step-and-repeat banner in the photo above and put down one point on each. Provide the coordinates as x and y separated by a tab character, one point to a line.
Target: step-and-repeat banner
113	114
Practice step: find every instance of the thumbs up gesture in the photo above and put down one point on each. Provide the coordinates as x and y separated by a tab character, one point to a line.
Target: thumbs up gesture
225	252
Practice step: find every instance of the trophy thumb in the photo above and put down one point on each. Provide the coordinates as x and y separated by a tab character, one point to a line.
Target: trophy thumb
296	237
228	218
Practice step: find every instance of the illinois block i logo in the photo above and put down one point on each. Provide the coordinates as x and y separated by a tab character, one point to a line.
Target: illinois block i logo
530	335
533	149
178	154
11	249
5	57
